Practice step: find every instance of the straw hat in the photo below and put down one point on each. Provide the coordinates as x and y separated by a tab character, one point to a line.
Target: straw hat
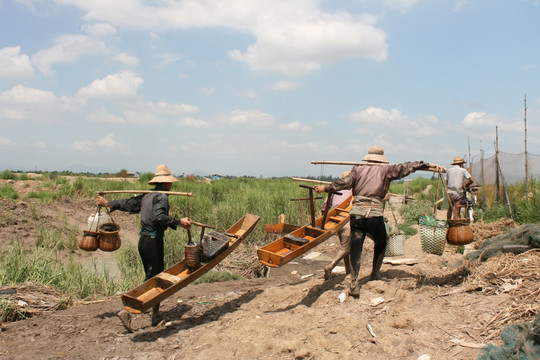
163	175
458	160
344	174
375	154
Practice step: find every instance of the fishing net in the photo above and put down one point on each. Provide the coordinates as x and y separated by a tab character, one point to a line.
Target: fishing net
528	234
521	341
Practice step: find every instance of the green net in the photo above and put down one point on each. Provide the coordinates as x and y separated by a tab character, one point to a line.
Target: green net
521	341
526	235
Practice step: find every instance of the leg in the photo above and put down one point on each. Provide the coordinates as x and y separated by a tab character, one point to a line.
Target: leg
379	235
358	235
152	256
344	235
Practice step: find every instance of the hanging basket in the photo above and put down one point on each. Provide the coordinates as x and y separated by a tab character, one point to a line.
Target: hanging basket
89	241
395	246
433	237
109	237
459	232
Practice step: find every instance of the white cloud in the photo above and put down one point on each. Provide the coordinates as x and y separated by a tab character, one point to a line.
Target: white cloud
5	141
208	91
248	118
145	118
192	122
13	64
284	85
460	5
295	126
484	121
292	37
107	143
415	126
67	49
103	116
120	85
127	59
99	30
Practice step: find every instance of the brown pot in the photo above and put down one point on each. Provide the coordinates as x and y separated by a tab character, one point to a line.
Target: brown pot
459	232
109	237
89	241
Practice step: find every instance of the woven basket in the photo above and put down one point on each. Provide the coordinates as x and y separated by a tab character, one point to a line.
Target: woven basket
433	237
395	246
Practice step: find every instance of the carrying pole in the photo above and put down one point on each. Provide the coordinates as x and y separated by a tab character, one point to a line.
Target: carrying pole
142	192
354	163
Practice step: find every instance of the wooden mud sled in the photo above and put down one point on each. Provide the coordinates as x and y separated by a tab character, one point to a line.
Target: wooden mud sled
300	240
155	290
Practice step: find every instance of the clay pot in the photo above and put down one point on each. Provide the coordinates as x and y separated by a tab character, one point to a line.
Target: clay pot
89	241
109	237
459	232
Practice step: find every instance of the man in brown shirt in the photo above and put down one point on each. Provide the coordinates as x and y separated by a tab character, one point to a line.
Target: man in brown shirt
370	182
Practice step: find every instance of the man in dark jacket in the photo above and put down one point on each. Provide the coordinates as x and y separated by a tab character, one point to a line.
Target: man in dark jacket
370	182
155	219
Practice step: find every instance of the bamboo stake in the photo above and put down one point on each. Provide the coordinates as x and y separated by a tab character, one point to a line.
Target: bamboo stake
143	192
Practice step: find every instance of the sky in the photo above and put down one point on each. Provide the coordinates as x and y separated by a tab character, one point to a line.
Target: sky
264	87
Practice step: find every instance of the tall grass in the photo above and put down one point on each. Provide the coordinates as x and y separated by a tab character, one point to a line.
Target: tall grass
43	266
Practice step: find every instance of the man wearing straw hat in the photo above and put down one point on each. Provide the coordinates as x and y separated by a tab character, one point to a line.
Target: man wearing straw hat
455	176
369	182
155	219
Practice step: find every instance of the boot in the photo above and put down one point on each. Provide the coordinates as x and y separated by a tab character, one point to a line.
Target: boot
125	317
157	318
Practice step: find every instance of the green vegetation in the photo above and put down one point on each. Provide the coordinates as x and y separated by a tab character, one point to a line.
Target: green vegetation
219	204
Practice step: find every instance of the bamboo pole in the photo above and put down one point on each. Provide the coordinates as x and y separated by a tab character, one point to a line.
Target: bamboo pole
311	180
142	192
354	163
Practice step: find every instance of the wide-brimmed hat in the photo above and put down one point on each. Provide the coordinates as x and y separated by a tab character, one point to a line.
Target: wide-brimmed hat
163	175
458	160
344	174
375	154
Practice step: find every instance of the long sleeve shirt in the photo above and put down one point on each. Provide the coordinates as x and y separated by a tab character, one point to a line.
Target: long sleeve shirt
154	209
370	183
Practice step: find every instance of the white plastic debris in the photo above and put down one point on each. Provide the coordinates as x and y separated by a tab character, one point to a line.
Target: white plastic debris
342	297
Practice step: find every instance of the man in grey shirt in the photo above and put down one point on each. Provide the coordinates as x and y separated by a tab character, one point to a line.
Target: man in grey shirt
455	176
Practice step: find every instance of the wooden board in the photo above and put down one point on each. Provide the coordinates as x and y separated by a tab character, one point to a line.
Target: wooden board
155	290
294	244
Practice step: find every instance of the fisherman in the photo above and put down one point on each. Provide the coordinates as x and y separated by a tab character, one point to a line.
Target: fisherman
455	177
155	219
369	182
344	235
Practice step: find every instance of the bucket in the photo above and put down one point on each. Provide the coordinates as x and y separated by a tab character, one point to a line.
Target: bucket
89	241
98	218
193	255
459	232
395	246
109	237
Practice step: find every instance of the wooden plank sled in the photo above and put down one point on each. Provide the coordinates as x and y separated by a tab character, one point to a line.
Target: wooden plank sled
155	290
299	241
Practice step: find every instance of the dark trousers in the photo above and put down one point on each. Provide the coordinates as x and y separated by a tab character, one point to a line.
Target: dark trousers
360	227
151	252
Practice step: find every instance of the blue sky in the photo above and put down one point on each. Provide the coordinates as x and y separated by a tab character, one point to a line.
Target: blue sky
262	88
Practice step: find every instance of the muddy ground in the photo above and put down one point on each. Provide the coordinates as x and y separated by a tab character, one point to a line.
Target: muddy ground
425	308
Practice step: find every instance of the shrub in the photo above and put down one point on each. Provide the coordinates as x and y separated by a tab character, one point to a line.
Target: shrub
8	191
